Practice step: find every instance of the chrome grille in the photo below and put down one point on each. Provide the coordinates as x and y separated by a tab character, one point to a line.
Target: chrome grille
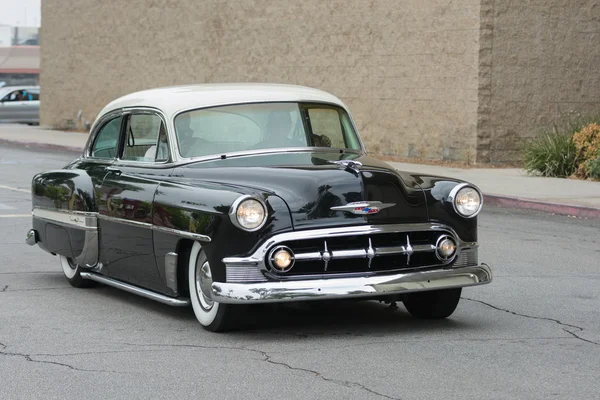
372	253
467	258
243	273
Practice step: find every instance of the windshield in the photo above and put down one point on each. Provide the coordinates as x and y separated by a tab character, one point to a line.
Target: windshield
256	126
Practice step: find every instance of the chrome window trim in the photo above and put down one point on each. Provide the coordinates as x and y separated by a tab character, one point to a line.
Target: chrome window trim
96	128
130	111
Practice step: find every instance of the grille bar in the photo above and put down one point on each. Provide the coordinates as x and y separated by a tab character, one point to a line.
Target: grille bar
369	252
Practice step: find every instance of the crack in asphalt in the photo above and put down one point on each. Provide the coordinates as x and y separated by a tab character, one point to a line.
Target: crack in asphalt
28	357
267	358
33	289
562	324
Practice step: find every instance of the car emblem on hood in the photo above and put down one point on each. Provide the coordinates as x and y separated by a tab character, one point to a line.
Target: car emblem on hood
364	207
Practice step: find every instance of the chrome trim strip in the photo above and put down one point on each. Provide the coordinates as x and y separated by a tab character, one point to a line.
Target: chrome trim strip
374	286
136	290
147	225
89	254
187	235
171	271
71	219
125	221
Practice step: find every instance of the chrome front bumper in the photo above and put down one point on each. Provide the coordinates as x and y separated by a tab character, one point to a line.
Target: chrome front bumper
339	288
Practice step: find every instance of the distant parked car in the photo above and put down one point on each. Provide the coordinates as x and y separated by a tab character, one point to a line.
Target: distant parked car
20	104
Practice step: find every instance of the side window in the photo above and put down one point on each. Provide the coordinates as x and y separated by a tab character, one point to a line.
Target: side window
107	140
146	139
326	128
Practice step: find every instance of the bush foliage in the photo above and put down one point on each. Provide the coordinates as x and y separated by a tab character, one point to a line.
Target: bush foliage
570	150
587	145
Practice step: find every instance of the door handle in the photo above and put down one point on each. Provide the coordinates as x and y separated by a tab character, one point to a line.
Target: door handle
114	170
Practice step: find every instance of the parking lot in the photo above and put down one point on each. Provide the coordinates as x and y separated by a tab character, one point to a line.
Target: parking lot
533	333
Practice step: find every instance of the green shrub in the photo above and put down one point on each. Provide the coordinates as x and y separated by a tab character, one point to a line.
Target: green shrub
593	168
551	153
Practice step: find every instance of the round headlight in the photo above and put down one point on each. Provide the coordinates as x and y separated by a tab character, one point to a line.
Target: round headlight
248	213
467	200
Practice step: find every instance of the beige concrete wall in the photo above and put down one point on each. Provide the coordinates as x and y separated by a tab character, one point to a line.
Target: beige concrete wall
407	69
539	59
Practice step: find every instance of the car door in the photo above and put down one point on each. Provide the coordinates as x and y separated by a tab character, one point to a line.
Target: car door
12	109
125	212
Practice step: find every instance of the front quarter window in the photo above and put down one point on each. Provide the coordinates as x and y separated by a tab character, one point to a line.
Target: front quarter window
256	126
106	142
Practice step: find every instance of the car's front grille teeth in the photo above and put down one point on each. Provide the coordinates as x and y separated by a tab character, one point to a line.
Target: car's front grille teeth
374	253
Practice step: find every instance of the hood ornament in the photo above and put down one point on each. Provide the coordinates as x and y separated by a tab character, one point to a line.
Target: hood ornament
363	207
349	164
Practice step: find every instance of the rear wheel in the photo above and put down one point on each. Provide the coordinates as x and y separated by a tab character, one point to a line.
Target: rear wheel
212	315
435	304
72	273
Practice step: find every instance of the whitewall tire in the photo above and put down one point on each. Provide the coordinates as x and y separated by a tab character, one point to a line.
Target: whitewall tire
71	271
213	316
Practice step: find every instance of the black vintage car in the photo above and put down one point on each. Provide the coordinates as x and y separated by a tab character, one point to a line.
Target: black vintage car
229	195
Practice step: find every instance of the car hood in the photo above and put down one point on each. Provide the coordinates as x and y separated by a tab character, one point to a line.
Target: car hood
311	184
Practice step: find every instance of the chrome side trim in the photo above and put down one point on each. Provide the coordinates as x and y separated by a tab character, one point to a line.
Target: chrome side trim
184	234
136	290
70	219
171	271
147	225
89	255
124	221
373	286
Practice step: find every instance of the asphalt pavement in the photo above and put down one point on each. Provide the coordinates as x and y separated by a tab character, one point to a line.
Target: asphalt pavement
533	333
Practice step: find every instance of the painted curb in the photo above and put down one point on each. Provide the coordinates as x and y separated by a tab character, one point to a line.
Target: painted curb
529	204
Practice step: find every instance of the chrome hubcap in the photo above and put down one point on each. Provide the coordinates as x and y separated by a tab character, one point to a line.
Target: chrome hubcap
72	264
203	286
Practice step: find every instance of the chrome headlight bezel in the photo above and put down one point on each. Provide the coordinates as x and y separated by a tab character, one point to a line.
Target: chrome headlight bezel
233	213
454	194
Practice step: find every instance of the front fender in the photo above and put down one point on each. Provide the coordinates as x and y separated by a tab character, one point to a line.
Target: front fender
202	209
437	189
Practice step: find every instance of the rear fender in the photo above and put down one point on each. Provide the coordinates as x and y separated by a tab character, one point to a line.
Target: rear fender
65	215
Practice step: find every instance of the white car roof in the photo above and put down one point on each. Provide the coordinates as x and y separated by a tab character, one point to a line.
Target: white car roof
174	99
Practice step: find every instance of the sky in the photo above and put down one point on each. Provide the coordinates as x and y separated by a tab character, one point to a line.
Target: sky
20	12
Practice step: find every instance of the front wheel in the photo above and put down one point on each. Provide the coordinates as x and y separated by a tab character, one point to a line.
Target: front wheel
72	273
435	304
213	316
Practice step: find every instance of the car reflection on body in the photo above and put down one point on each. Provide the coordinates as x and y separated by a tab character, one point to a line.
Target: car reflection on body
221	196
